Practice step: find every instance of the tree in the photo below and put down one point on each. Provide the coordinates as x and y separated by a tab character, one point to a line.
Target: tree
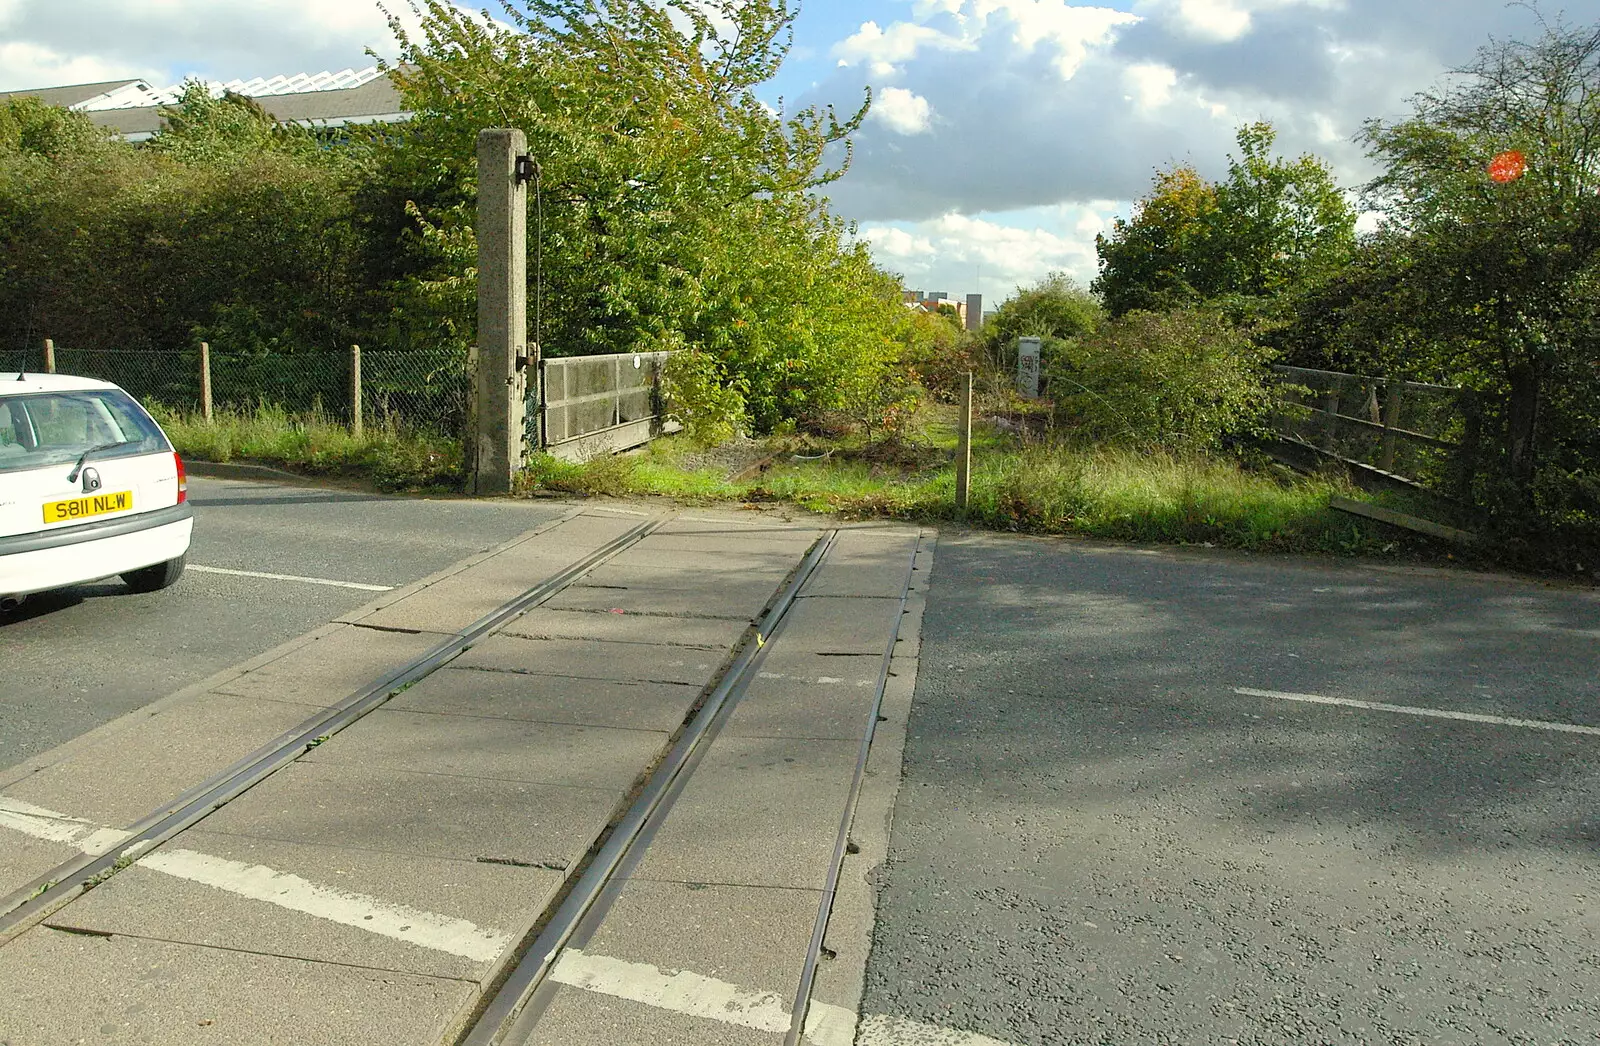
1271	228
1492	182
1055	310
673	204
1162	258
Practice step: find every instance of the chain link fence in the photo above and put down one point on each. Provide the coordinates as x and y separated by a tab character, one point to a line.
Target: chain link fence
418	390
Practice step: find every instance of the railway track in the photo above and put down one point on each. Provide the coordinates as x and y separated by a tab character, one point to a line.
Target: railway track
516	988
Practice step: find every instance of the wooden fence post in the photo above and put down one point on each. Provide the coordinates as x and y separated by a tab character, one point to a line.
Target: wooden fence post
964	445
205	381
49	356
355	390
1330	433
1391	421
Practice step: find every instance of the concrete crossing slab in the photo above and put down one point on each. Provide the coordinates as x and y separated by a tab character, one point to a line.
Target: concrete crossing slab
330	668
705	633
796	707
498	749
829	626
867	562
577	1016
550	699
713	597
757	812
121	778
752	936
433	815
148	991
422	915
456	602
591	659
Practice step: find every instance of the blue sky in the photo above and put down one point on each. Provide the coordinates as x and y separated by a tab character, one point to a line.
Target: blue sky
1004	134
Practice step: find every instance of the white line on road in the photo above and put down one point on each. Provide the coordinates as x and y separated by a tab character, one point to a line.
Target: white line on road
293	577
1432	713
696	995
440	933
40	823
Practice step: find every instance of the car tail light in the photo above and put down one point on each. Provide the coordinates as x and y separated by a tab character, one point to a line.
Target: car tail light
183	480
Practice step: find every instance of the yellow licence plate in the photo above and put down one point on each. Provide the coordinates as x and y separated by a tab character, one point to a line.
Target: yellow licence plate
83	508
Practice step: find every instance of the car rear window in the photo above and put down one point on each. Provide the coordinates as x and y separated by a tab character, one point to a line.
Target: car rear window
41	429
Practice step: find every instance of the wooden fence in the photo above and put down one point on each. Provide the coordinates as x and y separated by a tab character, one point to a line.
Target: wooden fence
1404	433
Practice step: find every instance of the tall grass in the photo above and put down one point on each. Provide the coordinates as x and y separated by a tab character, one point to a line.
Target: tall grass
392	457
1109	493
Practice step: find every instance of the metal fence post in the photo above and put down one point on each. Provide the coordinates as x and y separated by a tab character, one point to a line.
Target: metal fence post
205	381
355	390
964	445
49	356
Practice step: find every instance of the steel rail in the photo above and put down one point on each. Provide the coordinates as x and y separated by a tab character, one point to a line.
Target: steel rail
62	884
808	972
500	1017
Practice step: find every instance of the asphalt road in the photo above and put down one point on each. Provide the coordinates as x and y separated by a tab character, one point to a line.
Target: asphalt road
80	657
1098	840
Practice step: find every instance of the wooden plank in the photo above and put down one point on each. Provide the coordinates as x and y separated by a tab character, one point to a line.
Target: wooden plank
1402	520
1405	434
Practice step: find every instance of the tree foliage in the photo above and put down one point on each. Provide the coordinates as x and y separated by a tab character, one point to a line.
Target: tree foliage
1182	379
1270	228
1494	285
672	204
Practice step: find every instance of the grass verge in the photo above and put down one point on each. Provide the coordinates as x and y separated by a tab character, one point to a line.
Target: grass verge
1097	492
391	457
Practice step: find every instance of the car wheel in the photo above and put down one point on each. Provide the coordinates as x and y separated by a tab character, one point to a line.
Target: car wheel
150	579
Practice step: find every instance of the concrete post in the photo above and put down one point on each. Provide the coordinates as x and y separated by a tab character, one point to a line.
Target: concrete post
964	445
1028	351
205	381
503	363
355	391
49	356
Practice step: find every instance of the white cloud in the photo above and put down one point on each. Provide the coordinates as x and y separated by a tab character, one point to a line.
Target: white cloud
1151	85
1223	21
901	111
1072	29
28	65
961	254
883	50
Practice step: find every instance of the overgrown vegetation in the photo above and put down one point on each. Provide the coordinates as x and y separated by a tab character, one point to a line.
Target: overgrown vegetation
673	210
392	458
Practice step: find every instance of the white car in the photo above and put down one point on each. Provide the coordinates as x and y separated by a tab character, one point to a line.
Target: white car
90	488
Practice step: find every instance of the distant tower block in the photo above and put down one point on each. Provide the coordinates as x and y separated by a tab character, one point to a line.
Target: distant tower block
974	311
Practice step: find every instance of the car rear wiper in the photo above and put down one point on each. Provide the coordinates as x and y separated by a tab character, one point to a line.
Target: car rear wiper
72	477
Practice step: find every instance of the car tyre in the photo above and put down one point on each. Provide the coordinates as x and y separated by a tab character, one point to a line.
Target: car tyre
154	578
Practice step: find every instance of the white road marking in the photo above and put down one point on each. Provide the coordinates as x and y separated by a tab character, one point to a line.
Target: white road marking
682	992
1432	713
440	933
40	823
293	577
696	995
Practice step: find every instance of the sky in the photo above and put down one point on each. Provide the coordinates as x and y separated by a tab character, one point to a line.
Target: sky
1004	134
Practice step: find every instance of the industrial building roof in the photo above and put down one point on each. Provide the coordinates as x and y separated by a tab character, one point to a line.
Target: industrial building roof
132	108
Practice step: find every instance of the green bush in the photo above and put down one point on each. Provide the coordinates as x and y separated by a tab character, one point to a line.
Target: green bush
1180	379
709	407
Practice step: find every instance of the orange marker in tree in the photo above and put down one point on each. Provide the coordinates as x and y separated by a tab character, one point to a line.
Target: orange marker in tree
1508	167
